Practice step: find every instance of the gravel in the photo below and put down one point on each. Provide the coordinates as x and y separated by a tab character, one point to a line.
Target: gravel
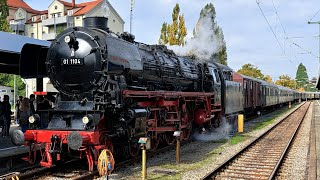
198	159
296	162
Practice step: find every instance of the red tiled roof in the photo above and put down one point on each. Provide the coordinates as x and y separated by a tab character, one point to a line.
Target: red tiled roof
30	21
23	5
43	12
66	3
18	4
86	7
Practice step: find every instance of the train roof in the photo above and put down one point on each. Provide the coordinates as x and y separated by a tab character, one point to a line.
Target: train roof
259	80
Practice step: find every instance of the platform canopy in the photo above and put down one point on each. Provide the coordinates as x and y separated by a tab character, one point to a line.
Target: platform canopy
11	46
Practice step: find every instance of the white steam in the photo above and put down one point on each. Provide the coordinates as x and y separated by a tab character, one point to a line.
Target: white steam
204	44
220	133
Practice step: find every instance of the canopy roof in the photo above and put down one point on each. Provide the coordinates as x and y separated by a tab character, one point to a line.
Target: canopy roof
11	46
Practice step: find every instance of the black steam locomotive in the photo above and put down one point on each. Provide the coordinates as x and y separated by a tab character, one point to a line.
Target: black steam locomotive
113	90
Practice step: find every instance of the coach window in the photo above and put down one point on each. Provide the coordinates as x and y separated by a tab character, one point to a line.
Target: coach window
250	84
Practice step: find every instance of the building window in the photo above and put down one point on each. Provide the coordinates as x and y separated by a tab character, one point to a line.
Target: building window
32	35
55	7
34	18
43	17
70	12
114	21
59	14
78	17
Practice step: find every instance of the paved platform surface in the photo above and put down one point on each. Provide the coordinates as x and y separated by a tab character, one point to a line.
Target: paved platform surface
7	148
5	142
315	142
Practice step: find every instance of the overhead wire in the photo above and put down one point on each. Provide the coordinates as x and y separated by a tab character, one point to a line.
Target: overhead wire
314	15
258	3
284	31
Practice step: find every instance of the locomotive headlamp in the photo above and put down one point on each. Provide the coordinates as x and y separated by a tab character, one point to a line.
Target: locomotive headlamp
34	118
67	39
87	119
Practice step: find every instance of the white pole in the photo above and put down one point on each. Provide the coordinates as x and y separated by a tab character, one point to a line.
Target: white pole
15	80
131	15
14	91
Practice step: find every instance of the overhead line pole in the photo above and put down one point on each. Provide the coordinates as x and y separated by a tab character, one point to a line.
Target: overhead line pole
318	22
131	15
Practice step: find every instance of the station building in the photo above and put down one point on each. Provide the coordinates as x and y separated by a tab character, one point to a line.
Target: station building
46	24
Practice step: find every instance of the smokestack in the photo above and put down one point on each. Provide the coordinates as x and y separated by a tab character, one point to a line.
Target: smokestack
73	3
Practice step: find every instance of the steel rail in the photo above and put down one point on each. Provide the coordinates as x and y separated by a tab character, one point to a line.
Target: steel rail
90	175
221	166
275	170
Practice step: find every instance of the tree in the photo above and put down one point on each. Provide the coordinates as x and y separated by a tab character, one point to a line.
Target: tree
182	33
207	20
4	13
164	34
251	70
301	76
175	33
286	81
268	79
8	80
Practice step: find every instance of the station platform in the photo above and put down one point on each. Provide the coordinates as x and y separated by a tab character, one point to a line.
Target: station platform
314	161
7	149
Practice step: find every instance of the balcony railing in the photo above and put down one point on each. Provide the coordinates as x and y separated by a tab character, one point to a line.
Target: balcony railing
17	27
48	36
58	20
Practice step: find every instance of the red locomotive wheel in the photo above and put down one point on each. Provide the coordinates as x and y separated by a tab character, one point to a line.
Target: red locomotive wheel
186	133
169	139
154	144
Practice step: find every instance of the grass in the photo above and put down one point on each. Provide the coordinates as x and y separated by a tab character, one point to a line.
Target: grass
162	176
209	156
237	139
271	120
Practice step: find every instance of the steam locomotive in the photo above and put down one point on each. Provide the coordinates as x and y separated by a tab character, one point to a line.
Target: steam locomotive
114	90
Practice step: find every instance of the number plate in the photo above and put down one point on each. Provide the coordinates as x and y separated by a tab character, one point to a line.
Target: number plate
72	61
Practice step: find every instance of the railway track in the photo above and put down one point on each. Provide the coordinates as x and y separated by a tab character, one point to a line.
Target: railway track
262	158
64	172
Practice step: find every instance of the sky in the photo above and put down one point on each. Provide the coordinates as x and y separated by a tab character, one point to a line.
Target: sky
276	49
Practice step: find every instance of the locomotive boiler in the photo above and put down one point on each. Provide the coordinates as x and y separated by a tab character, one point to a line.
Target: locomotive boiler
113	90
